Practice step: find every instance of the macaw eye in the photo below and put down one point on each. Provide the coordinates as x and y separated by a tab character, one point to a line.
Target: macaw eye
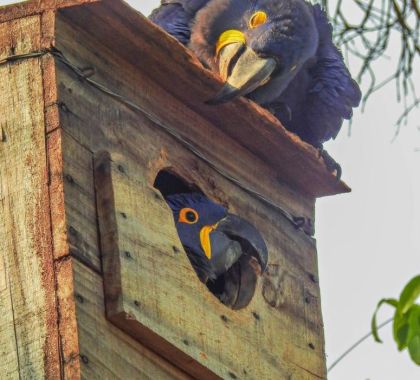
188	215
257	19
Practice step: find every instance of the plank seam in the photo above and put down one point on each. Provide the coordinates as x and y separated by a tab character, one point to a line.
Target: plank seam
47	164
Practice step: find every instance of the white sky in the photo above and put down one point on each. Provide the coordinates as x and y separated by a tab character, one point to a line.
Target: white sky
368	240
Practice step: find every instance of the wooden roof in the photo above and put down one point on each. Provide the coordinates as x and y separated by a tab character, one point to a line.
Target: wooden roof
135	39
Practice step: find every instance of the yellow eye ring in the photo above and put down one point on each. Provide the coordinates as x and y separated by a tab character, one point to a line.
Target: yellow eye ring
257	19
188	215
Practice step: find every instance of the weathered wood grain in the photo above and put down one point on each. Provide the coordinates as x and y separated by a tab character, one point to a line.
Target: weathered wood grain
140	88
45	178
132	36
35	7
8	347
25	227
124	131
16	38
289	292
73	207
115	123
68	325
106	352
79	290
154	294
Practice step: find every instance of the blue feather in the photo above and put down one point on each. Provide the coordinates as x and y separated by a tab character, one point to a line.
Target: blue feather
175	17
317	97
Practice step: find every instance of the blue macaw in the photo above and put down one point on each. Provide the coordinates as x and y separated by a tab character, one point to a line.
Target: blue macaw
226	251
278	53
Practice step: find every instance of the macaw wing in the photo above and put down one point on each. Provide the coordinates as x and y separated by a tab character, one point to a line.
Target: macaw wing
175	16
332	93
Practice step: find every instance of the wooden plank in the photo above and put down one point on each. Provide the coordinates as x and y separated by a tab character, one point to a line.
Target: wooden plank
18	39
80	203
130	36
24	210
153	293
93	348
35	7
8	348
98	122
142	90
68	327
105	351
71	176
121	130
73	200
102	123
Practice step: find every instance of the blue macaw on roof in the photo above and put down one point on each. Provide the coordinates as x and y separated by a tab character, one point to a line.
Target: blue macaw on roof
279	53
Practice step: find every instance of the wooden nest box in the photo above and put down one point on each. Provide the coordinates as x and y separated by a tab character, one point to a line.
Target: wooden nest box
100	110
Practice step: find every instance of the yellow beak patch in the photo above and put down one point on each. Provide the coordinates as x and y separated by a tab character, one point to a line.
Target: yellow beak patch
205	239
229	37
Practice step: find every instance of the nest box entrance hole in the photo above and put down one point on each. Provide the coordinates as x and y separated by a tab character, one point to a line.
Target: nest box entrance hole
226	287
169	183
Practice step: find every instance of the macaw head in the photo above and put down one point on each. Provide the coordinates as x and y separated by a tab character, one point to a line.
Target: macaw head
258	46
219	243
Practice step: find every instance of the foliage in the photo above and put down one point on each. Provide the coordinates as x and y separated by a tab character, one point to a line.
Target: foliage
366	33
406	326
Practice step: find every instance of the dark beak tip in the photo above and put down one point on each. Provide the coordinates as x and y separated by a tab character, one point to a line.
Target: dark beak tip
220	98
226	94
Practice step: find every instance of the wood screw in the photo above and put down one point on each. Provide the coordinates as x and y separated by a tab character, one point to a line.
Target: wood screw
84	359
158	197
313	278
69	178
72	231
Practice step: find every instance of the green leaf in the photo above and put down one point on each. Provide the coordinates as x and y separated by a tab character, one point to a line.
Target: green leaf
414	333
374	325
414	349
401	329
409	295
406	327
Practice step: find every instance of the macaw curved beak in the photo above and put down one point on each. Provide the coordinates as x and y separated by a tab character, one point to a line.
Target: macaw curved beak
250	239
218	238
243	70
238	255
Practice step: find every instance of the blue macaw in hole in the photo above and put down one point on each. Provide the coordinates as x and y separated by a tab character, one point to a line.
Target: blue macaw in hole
278	53
226	251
